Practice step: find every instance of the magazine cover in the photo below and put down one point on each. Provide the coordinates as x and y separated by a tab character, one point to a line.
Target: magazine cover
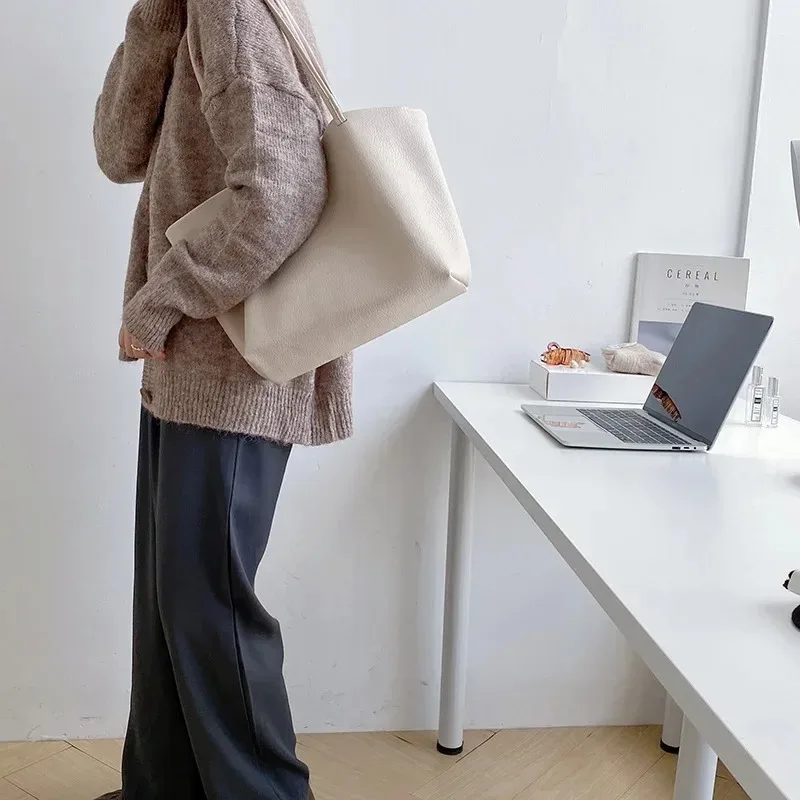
668	285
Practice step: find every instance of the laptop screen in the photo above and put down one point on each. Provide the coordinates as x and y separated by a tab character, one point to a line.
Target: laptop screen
705	369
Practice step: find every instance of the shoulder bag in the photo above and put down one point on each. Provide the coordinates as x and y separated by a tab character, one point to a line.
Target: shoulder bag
388	247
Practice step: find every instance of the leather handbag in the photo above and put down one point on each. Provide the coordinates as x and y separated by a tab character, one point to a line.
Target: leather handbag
387	249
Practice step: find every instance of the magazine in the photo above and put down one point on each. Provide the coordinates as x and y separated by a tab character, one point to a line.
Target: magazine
668	285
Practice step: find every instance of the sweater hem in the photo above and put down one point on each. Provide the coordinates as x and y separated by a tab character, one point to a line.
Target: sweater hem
264	410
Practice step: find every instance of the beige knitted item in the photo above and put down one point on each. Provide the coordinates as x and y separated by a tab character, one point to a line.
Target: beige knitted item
634	359
253	127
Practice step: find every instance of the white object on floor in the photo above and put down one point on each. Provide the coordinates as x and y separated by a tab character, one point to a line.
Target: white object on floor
592	384
633	359
660	566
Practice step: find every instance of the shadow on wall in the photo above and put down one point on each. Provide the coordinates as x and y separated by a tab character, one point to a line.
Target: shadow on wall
373	514
406	474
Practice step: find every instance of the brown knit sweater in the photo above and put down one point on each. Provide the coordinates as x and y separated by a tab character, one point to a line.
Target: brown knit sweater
244	119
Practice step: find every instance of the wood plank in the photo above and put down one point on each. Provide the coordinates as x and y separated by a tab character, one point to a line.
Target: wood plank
109	751
10	792
729	790
333	779
382	756
18	755
426	740
406	766
505	765
659	781
556	764
656	784
722	770
603	767
68	775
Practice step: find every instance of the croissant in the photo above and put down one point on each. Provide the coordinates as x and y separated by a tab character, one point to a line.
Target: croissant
557	356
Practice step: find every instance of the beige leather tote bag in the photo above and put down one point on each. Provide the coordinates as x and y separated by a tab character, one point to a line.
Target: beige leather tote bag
388	247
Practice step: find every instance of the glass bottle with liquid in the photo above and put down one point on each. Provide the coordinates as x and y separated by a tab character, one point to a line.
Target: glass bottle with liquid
755	397
772	404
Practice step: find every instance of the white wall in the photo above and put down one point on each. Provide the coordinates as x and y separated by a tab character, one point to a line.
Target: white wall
773	233
575	132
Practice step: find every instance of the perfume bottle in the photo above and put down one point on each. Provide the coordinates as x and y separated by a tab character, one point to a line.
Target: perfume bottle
772	404
755	397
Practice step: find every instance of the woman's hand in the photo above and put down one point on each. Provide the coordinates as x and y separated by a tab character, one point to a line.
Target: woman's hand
134	350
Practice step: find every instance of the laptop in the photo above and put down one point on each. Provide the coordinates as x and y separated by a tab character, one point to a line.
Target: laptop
690	399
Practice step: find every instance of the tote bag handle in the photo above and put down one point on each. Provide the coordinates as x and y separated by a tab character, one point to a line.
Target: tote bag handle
304	53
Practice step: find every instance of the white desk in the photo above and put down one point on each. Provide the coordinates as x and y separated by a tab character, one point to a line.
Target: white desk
689	569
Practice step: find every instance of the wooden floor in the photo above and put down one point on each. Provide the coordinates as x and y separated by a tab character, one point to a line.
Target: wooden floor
556	764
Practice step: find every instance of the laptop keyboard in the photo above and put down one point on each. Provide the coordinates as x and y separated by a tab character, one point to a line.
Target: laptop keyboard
631	427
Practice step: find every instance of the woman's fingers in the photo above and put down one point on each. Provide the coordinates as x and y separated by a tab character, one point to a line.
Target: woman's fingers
142	352
150	354
134	350
127	345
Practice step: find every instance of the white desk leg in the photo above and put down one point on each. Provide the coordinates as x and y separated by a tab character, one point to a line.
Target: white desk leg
697	766
673	722
456	601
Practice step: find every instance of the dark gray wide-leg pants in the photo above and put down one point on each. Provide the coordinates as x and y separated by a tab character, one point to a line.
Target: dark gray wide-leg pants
209	718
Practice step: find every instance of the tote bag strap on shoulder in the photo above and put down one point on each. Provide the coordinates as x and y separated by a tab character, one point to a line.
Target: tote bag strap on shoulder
385	181
304	53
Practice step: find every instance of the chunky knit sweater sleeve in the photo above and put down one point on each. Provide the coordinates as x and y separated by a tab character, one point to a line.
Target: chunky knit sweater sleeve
129	109
268	127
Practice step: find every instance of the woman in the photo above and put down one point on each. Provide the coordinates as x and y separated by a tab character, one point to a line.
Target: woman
204	95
